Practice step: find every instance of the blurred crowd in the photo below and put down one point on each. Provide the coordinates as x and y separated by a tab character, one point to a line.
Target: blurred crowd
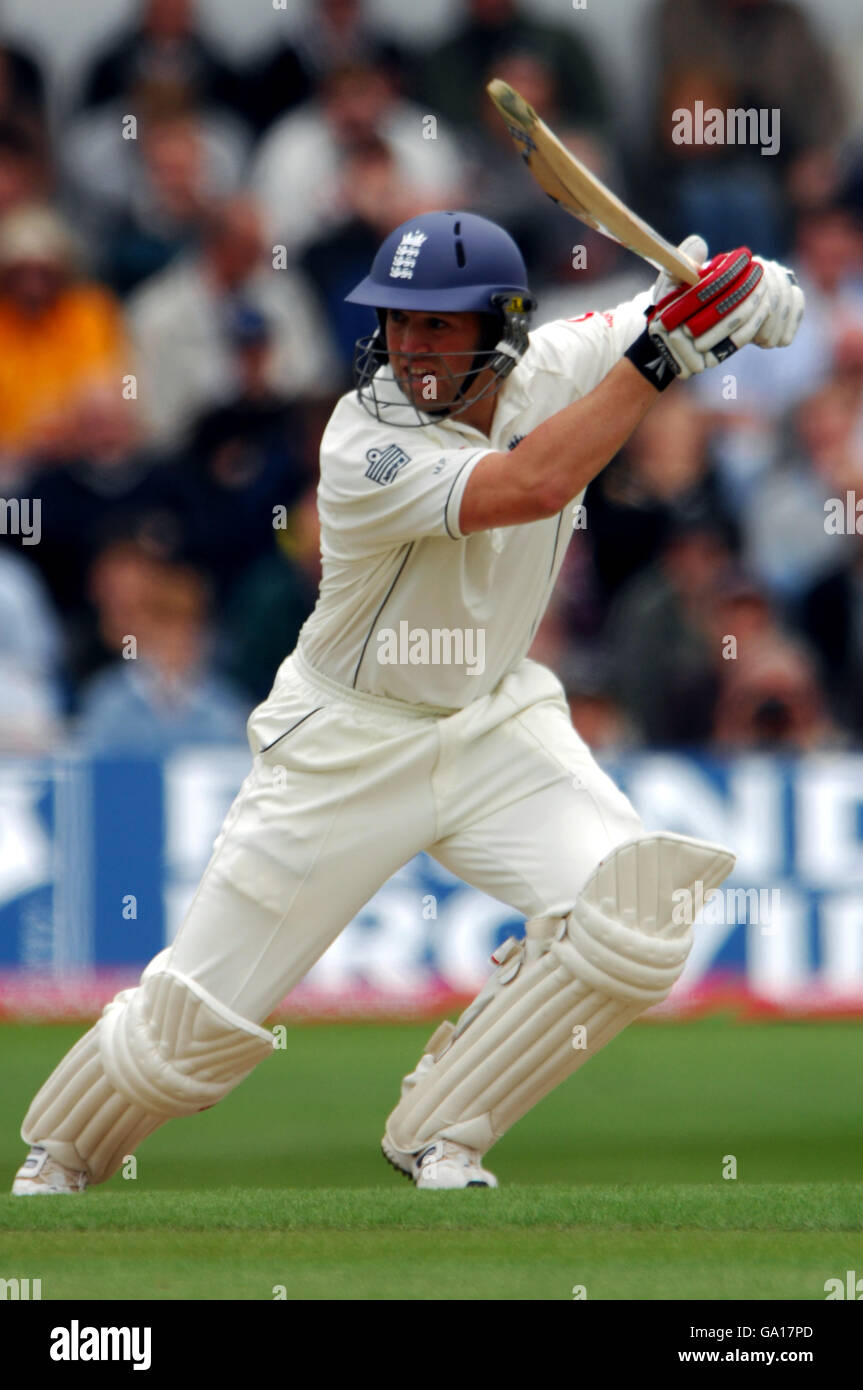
176	240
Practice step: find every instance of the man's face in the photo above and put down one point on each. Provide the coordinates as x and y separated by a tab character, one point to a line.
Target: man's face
442	347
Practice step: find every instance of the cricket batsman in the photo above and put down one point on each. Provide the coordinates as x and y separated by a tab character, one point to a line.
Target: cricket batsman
449	483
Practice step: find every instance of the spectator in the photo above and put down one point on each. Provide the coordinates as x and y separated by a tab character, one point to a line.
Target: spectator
452	77
181	324
123	571
375	200
24	173
599	718
831	616
662	480
30	647
547	235
769	695
273	601
22	91
340	32
494	191
168	695
246	464
551	640
828	260
103	485
747	422
300	164
331	34
759	55
662	651
829	253
163	47
773	702
769	54
57	333
785	542
109	154
168	203
731	194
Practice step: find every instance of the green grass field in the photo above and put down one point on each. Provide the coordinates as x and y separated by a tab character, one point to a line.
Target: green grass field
613	1183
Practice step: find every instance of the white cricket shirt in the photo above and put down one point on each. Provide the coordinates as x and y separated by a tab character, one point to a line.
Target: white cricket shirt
409	608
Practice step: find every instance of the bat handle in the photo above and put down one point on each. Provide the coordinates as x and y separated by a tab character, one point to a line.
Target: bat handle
683	267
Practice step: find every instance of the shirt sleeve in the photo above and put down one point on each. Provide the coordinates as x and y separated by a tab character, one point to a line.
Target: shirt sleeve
386	488
584	349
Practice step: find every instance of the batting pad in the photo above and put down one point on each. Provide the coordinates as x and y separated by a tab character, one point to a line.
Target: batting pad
164	1049
559	996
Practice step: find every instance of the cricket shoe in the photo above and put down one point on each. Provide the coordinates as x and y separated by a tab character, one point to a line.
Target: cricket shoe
40	1175
442	1164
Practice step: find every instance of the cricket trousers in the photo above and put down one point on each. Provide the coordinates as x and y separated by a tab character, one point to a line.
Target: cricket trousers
347	787
344	788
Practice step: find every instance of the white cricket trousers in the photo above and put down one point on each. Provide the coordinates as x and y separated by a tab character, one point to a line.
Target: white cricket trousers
346	787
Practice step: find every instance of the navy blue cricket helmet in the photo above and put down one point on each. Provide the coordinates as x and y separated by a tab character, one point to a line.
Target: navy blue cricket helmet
453	262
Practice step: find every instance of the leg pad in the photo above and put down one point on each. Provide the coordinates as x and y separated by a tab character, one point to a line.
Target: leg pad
164	1049
558	996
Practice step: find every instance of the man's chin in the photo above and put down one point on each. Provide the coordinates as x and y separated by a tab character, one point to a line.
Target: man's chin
419	401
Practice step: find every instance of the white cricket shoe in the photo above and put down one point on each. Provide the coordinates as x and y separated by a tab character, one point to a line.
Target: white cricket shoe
443	1164
40	1175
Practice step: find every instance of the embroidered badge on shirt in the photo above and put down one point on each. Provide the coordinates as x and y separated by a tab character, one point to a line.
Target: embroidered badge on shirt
384	464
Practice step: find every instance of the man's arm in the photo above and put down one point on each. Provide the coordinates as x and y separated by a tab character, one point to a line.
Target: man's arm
689	329
557	460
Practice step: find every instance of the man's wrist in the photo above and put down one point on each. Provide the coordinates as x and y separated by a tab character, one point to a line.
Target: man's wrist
652	360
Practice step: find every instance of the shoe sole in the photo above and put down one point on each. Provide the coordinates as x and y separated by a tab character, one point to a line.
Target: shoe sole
397	1166
43	1191
475	1182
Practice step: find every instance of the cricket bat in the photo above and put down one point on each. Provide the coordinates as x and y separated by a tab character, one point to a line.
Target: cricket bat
570	184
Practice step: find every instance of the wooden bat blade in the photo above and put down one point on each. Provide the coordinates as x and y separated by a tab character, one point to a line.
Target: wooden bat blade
571	184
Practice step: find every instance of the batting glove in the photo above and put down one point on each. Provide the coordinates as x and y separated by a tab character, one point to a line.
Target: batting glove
652	359
701	325
786	302
695	247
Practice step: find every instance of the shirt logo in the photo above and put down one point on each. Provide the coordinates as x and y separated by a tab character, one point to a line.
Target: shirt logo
516	439
385	464
406	254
